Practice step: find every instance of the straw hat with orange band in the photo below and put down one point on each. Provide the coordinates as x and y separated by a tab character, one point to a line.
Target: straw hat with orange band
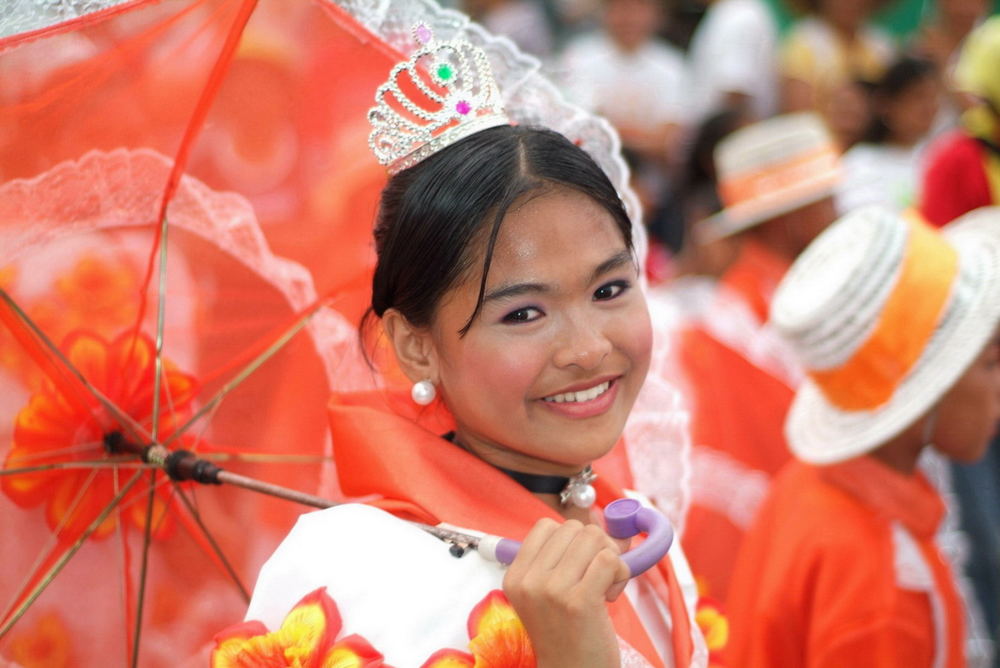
886	314
771	168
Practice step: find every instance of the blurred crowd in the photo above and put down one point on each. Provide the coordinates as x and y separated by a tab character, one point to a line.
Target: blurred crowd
675	76
747	134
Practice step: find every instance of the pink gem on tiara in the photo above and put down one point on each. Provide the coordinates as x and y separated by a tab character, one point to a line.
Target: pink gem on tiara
463	107
422	33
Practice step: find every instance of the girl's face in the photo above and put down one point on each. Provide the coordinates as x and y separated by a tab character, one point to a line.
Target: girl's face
545	377
969	413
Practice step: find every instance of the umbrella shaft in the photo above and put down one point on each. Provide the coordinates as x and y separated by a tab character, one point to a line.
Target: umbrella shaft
230	478
183	465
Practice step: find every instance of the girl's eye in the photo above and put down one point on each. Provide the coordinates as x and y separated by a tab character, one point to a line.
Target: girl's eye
611	290
526	314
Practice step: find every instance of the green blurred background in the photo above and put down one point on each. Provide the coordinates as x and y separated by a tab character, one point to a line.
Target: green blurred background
899	18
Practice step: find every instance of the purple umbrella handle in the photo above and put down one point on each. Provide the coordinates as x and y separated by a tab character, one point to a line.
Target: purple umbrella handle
498	549
625	518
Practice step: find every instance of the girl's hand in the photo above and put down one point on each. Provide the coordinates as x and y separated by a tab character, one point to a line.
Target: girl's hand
558	584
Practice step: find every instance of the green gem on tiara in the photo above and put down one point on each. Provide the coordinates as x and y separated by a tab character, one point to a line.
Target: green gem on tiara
445	72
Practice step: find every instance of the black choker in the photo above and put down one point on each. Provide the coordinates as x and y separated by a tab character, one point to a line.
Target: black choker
575	489
539	484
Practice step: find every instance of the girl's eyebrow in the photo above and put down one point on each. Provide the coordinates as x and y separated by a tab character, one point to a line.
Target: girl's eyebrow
515	290
616	261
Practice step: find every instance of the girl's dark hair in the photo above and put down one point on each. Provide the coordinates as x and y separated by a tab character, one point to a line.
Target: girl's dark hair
432	214
905	72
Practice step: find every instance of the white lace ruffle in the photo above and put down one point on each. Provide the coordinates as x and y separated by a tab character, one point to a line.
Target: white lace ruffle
630	658
21	16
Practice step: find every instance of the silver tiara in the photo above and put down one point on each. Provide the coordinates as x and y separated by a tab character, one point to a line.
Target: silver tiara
443	93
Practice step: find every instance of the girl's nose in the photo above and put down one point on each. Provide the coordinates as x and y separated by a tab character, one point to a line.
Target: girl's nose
585	347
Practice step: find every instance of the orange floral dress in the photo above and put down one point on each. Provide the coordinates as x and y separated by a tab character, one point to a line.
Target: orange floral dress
404	592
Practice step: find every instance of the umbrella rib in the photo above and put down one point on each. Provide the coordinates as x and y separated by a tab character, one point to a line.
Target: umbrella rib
204	427
245	373
270	457
136	430
126	564
161	304
65	558
144	568
24	457
196	515
54	537
124	462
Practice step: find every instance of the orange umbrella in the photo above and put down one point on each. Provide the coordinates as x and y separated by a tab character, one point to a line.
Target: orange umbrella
156	157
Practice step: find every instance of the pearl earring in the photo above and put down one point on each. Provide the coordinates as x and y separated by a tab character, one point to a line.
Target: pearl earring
423	392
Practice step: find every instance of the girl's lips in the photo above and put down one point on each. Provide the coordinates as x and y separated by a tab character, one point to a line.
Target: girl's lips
585	409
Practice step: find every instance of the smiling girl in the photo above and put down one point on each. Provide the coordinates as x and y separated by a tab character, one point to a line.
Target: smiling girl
507	291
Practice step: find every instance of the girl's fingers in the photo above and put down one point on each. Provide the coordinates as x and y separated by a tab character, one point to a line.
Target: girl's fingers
533	543
561	542
622	544
558	558
606	576
577	558
622	577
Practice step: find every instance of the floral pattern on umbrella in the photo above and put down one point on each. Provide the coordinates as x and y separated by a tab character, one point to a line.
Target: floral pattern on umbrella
52	430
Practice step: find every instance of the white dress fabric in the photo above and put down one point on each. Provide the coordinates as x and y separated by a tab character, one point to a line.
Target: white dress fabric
734	50
400	588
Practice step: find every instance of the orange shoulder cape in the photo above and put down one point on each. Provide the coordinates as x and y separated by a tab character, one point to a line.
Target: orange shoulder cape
381	448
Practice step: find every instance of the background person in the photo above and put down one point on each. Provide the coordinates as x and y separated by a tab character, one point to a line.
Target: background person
776	178
823	58
885	166
897	326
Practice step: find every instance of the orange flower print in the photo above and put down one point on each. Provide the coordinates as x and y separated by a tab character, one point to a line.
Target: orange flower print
57	429
307	638
99	288
497	639
714	627
7	275
45	643
97	292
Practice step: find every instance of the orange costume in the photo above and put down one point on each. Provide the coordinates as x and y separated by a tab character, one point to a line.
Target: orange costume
841	570
740	380
841	565
384	451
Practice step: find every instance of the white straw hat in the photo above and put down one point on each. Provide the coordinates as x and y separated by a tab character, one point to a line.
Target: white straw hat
886	313
770	168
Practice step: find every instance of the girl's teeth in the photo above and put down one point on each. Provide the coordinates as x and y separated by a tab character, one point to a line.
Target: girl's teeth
585	395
